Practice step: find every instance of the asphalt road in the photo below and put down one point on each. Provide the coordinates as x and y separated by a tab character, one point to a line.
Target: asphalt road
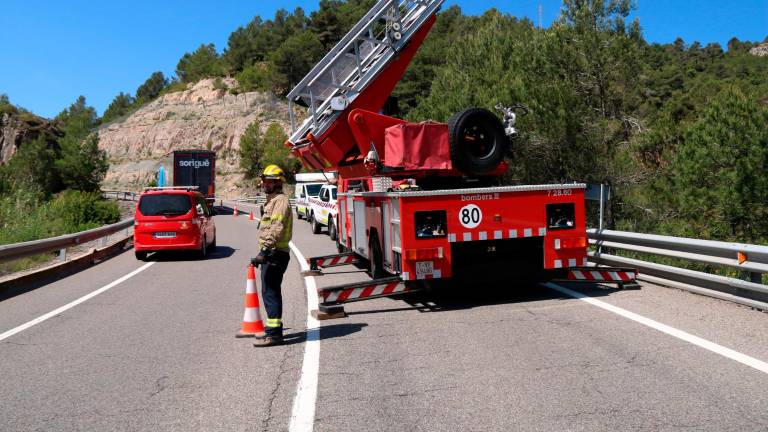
157	352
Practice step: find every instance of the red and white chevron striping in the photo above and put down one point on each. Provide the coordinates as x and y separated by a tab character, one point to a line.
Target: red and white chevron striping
598	275
363	292
339	260
496	235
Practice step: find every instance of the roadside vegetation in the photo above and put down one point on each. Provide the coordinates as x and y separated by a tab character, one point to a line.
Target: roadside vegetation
257	151
51	187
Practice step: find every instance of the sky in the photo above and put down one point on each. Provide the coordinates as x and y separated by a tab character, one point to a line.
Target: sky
54	51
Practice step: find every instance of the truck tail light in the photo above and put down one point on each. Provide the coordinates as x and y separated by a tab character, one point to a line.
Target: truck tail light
423	254
571	243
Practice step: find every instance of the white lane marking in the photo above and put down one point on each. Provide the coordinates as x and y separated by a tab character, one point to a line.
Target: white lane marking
70	305
303	413
695	340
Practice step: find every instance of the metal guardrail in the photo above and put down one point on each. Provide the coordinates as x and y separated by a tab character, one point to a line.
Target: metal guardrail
752	260
120	195
61	243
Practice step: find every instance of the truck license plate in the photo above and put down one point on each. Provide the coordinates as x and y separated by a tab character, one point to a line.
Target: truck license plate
424	268
164	234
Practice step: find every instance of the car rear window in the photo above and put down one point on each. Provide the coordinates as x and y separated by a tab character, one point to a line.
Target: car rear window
313	190
165	205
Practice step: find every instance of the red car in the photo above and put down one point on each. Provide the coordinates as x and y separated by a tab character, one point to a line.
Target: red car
173	218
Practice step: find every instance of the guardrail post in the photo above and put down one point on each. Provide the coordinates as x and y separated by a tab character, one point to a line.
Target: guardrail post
63	254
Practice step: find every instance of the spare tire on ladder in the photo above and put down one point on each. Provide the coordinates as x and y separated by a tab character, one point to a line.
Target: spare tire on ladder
477	141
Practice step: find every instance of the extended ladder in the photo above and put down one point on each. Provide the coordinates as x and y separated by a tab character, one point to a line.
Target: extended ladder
353	64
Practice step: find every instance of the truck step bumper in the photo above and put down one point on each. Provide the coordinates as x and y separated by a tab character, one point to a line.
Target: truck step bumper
332	297
625	277
317	264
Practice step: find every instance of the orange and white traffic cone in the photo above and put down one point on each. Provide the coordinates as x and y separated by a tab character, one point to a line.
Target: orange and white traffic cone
251	216
234	213
252	324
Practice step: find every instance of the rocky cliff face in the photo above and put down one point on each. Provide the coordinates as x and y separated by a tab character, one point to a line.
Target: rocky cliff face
201	117
760	50
19	127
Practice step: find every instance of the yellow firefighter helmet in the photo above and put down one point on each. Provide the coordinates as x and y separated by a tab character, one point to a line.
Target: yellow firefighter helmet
273	172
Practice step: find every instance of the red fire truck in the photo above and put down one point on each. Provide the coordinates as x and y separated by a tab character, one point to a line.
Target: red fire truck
421	202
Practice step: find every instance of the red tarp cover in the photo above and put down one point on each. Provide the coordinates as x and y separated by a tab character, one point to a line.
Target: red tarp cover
417	146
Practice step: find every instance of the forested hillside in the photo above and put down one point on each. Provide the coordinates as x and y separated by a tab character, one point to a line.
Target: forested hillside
51	184
678	130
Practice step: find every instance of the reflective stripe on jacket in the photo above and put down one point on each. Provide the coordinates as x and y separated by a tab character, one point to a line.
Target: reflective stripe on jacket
276	223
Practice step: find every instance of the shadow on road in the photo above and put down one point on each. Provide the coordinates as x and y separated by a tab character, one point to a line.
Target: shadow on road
221	252
489	293
326	332
460	296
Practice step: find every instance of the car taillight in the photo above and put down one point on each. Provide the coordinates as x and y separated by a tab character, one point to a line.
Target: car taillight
571	243
423	254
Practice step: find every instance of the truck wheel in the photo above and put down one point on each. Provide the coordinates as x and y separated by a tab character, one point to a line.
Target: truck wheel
376	259
141	255
477	141
315	225
331	229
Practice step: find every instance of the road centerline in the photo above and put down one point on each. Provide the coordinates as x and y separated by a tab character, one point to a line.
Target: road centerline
74	303
669	330
303	412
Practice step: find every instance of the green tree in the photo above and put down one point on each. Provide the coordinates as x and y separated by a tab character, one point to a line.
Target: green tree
120	106
82	165
325	23
32	168
246	45
295	57
251	44
202	63
273	151
718	174
287	24
78	119
151	88
257	77
250	153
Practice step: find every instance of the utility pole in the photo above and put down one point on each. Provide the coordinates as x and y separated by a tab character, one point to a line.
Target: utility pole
541	13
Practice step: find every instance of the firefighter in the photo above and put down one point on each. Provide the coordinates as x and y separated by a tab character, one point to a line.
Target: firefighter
274	234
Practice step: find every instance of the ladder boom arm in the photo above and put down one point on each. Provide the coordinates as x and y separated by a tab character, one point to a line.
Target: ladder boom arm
360	72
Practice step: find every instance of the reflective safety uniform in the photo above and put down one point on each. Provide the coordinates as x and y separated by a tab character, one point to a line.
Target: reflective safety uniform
275	231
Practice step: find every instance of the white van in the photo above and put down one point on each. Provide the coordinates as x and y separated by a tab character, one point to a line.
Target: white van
308	186
305	191
323	211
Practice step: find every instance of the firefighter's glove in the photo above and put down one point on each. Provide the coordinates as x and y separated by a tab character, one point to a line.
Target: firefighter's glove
258	259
